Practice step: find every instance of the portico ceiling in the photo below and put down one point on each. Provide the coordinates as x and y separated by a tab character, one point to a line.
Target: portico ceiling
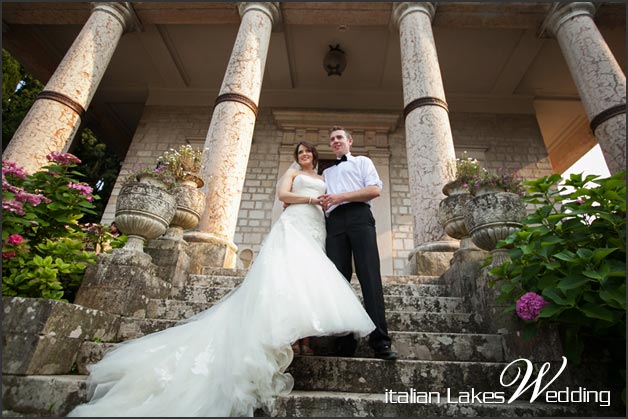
494	57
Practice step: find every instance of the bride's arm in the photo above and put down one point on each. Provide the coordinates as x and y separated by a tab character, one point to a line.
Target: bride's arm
285	194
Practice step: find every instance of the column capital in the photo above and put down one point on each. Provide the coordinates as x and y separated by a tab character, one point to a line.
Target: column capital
401	10
561	13
271	9
123	12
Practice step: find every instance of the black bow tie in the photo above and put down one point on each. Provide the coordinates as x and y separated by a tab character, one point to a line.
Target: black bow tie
340	160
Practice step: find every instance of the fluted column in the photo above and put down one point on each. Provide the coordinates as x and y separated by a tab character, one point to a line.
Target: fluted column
52	121
229	137
599	79
429	141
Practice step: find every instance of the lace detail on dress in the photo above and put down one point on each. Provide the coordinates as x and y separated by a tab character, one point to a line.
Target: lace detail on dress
308	218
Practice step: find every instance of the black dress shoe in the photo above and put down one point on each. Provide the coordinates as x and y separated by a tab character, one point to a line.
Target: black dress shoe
386	354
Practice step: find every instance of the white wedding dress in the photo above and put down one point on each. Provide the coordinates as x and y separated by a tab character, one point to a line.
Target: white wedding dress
230	359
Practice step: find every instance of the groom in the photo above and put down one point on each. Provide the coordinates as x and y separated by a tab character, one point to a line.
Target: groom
351	184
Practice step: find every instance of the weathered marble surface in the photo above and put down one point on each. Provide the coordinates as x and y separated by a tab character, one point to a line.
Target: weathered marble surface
596	73
429	141
228	141
49	125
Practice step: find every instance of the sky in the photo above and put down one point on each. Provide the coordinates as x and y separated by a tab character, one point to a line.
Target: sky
591	163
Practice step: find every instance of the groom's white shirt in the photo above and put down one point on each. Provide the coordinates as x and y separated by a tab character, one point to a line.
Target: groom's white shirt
356	173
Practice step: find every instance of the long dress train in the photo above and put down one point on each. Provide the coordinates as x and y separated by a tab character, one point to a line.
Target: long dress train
231	359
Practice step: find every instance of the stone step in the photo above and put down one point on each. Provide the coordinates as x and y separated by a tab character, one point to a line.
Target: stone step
407	321
131	327
339	404
429	346
204	292
43	395
56	395
223	279
177	309
409	345
368	375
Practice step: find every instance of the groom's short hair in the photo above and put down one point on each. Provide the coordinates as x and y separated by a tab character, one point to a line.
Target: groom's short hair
338	128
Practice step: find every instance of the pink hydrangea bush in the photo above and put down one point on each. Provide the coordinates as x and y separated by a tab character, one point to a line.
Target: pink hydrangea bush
43	243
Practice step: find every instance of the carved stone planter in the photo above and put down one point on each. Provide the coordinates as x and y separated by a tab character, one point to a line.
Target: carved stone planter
190	202
143	211
451	212
492	217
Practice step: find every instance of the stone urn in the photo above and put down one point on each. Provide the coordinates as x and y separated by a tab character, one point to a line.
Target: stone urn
144	210
451	212
491	217
190	203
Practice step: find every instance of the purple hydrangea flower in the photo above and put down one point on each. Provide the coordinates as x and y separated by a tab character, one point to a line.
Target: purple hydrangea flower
530	305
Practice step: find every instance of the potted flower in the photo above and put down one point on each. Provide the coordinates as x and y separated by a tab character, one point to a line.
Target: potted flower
463	170
502	180
160	176
185	164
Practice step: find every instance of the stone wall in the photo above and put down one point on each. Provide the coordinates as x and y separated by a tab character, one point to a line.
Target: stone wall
497	139
160	129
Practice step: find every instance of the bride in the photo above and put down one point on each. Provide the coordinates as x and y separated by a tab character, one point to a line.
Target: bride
231	359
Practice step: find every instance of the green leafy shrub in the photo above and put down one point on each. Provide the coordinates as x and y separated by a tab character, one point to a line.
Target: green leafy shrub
572	251
45	249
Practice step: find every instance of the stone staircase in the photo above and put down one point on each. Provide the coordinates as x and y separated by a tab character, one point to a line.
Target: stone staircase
441	344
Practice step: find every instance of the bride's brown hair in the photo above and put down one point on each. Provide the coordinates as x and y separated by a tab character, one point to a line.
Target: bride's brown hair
310	147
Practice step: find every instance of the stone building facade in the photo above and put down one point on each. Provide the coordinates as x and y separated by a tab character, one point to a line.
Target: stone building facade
424	82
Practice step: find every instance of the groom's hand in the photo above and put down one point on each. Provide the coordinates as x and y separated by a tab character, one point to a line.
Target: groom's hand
329	200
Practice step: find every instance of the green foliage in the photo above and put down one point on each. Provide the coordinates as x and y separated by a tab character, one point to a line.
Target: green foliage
11	76
572	251
15	104
100	169
45	249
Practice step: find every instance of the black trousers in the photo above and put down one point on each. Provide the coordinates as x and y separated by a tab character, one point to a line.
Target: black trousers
351	232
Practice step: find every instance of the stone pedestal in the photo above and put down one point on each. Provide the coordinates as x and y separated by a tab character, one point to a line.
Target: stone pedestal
171	259
42	337
461	276
122	283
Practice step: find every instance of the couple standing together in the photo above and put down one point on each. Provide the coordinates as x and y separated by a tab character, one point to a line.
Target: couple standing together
231	359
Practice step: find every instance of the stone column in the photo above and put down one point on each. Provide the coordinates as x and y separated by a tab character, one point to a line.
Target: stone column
429	140
52	121
599	79
229	137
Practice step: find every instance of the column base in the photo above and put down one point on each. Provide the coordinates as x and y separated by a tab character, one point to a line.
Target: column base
209	251
431	259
